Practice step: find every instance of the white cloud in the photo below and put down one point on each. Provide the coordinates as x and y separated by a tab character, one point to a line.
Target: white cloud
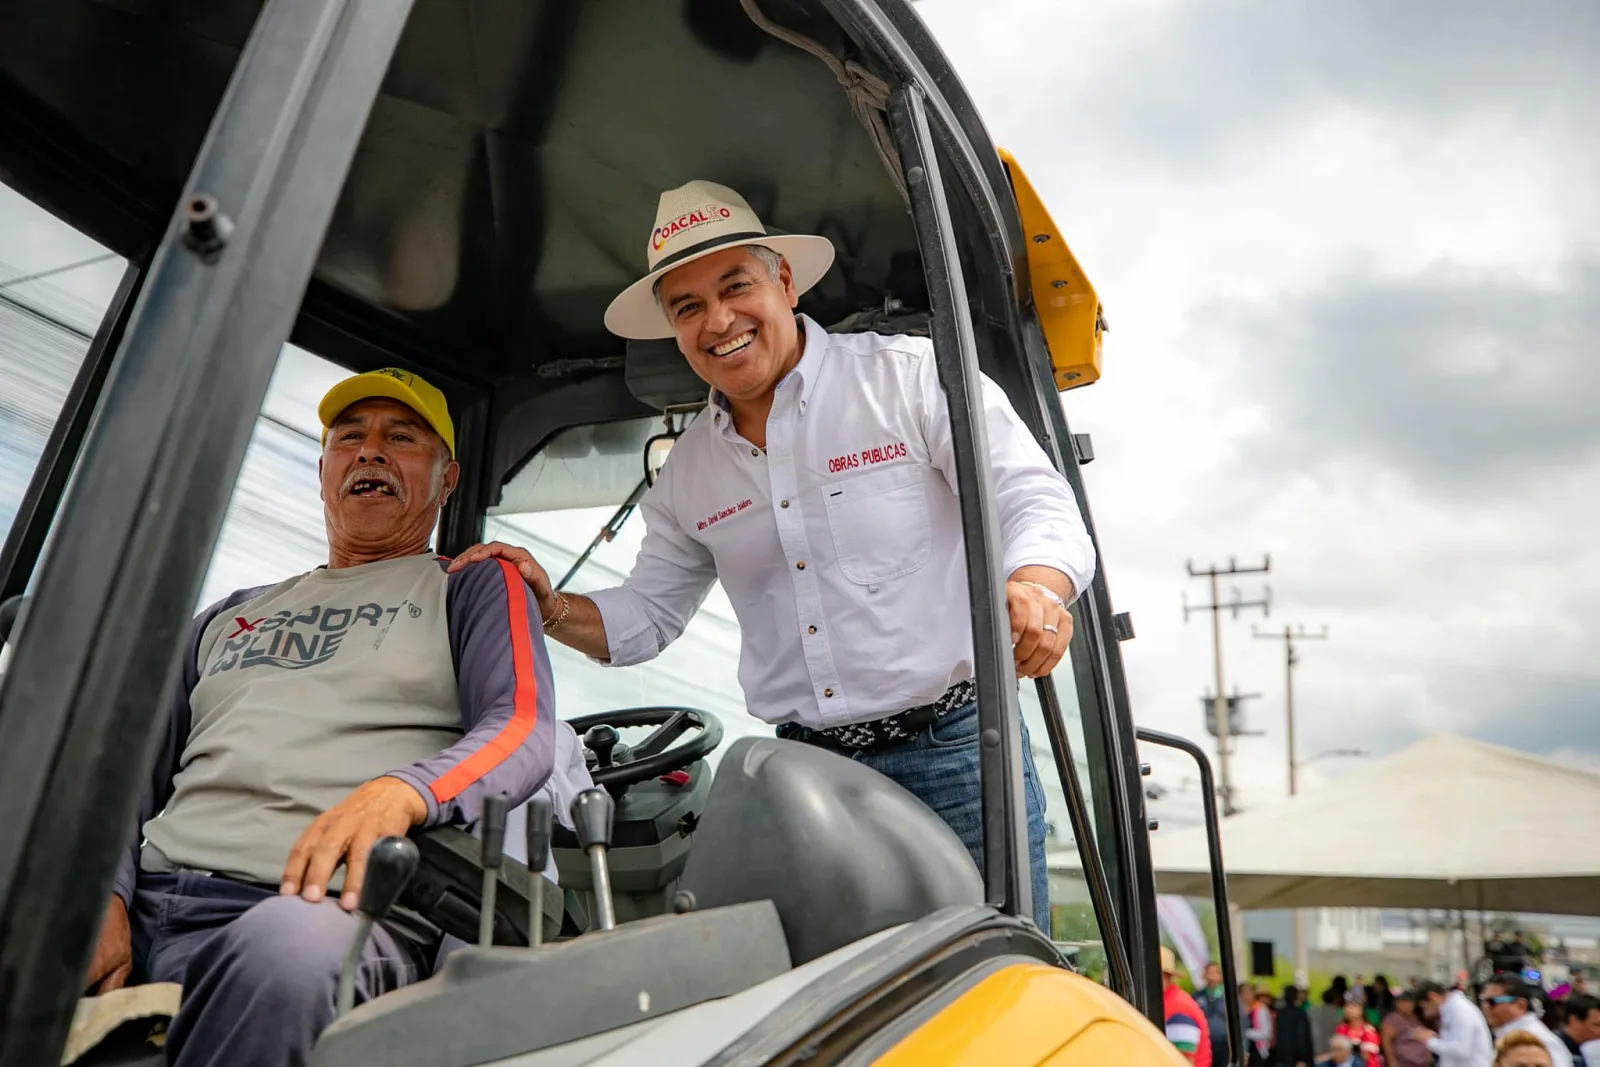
1248	156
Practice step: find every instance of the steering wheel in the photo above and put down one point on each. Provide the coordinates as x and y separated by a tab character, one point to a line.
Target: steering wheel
619	766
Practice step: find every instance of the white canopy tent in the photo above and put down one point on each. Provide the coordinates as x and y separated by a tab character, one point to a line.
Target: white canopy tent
1446	823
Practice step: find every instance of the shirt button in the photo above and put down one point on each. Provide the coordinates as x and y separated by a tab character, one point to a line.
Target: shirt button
783	503
800	566
755	451
827	692
811	629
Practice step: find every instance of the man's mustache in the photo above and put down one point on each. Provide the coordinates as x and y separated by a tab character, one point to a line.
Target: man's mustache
376	476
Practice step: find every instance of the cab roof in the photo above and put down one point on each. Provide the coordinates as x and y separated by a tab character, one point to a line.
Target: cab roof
504	187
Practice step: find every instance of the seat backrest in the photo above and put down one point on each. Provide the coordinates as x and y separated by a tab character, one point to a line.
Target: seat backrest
840	850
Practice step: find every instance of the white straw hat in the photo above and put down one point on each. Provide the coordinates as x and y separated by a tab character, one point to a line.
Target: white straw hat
693	221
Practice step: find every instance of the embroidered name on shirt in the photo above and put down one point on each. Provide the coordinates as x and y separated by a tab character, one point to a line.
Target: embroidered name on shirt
712	520
867	457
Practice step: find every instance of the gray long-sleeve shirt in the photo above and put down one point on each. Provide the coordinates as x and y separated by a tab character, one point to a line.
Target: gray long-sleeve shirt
294	695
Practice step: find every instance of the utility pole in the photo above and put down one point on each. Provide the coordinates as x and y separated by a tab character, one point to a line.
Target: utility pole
1216	606
1302	959
1291	659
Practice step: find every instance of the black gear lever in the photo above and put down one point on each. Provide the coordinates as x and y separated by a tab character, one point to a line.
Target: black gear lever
602	740
390	865
492	854
541	816
592	811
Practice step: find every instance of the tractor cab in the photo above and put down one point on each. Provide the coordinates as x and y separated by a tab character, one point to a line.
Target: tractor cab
459	187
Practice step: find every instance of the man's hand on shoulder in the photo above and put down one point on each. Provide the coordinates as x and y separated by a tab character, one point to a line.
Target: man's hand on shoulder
345	833
520	558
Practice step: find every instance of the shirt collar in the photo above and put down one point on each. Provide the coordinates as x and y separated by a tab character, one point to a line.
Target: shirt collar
804	372
816	343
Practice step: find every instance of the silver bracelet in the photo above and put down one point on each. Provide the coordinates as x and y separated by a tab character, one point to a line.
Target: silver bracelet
1047	591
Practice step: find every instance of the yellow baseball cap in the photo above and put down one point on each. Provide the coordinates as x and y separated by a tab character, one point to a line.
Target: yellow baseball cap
411	390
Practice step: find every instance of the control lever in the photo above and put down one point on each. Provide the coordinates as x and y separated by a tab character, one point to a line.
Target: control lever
592	811
601	740
540	817
390	865
491	853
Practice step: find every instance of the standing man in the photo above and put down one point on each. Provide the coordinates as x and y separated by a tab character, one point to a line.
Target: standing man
1294	1048
1463	1039
1213	1001
1582	1027
1507	1003
1186	1023
819	488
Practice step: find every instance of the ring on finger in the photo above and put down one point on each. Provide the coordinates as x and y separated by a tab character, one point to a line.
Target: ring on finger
1049	629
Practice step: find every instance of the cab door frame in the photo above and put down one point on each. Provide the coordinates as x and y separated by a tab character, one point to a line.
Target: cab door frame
83	702
891	33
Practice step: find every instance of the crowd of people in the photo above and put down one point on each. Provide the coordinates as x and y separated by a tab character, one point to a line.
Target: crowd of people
1371	1024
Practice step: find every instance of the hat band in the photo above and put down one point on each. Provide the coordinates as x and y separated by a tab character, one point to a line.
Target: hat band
704	246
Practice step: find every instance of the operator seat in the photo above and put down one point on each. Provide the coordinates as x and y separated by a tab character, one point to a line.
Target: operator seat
839	849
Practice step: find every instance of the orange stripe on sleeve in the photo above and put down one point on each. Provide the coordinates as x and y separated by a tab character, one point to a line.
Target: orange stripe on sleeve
525	705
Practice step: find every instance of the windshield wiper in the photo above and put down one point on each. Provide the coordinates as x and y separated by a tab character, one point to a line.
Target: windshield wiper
607	532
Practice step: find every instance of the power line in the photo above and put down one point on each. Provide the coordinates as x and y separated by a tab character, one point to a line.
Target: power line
58	270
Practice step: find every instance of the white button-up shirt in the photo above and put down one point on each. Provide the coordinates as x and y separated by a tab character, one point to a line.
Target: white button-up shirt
1463	1039
1560	1055
840	547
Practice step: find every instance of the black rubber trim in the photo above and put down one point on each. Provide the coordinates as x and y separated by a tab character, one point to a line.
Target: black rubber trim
908	1023
831	1017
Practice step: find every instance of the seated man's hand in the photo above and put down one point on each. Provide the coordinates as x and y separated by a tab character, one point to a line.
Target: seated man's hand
345	833
113	953
520	558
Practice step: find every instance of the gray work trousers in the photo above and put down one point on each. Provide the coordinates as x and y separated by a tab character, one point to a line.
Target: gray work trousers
259	971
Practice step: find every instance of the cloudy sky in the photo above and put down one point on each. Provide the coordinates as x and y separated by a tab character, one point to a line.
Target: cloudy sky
1350	255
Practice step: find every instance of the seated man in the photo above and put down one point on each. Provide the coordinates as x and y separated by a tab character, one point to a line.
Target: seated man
314	717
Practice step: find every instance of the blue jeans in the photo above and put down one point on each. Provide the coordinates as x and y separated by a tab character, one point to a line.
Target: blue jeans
940	768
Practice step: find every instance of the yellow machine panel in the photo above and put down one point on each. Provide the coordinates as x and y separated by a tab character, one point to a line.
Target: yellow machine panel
1068	307
1034	1015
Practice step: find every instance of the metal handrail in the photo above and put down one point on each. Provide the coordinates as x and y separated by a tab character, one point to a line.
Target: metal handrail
1219	879
1094	872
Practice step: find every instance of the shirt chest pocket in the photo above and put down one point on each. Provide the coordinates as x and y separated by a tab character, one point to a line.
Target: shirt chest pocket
879	523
